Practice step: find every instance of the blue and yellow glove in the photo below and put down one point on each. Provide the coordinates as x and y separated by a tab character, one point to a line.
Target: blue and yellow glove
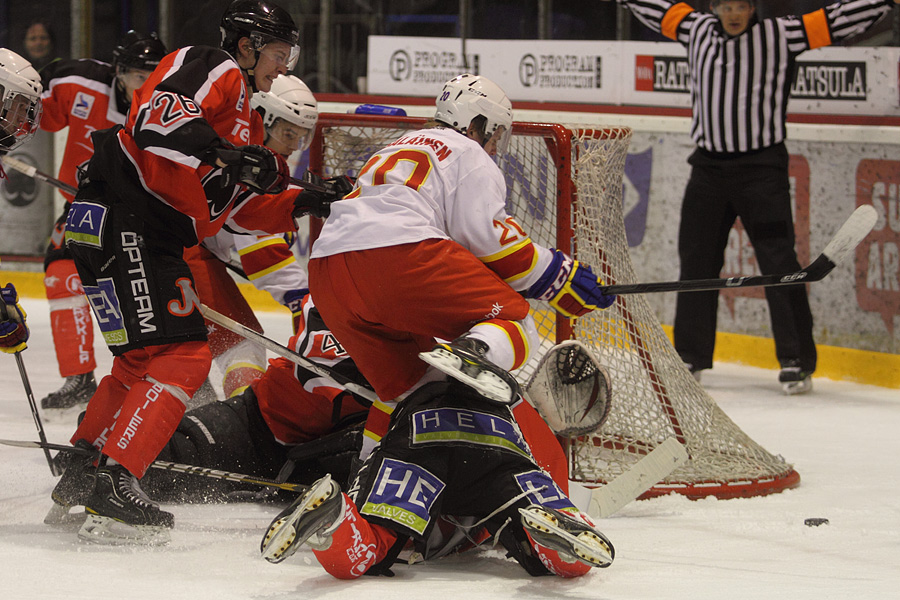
13	330
571	287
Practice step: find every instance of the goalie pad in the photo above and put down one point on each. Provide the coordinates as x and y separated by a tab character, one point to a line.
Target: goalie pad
570	390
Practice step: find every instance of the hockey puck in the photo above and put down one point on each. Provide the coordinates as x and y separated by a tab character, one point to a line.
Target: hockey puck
815	522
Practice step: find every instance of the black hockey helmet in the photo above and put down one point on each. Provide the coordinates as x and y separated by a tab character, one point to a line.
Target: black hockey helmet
262	22
139	51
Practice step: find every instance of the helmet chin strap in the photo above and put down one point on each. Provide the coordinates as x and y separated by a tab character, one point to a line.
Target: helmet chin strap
251	78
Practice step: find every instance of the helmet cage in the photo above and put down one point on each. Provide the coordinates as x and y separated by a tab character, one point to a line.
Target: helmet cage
20	100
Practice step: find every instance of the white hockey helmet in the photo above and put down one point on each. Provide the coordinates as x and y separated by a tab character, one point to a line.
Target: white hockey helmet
467	96
288	99
20	100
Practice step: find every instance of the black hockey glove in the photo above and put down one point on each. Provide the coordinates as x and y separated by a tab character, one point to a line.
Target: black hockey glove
257	167
318	194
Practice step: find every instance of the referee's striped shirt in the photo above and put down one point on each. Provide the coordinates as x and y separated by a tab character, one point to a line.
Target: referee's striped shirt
740	85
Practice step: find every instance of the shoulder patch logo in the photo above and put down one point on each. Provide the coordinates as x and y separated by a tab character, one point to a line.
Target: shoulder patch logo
82	106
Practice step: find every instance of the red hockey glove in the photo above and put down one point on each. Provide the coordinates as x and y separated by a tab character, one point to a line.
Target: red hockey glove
13	330
257	167
571	287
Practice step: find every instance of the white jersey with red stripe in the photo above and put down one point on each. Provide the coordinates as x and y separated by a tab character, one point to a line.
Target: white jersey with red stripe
434	184
267	261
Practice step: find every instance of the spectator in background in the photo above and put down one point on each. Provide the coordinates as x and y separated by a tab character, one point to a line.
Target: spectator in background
39	44
740	83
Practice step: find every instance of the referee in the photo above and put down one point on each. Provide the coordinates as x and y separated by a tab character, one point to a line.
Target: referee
741	72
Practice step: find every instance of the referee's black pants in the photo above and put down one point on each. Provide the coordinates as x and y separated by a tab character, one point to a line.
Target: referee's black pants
754	187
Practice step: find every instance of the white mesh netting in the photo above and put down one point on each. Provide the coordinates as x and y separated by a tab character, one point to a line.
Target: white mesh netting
565	188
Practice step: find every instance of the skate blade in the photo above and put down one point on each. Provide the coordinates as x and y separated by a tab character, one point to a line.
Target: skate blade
487	384
793	388
59	516
98	529
587	547
281	539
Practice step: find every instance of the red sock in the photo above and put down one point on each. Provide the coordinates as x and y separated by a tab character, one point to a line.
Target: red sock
356	545
101	412
70	319
147	420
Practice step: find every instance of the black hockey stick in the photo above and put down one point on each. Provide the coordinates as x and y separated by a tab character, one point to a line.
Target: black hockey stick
168	466
269	344
34	410
841	245
21	167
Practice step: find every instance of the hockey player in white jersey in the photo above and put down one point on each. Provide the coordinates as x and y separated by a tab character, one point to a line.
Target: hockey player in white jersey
423	248
289	112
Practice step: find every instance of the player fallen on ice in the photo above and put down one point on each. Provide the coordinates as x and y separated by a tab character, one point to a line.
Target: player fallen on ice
423	248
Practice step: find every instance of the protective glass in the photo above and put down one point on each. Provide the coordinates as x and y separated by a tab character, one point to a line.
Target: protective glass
280	52
290	135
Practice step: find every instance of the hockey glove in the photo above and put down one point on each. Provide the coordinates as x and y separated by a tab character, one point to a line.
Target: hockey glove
257	167
13	330
571	287
293	299
316	199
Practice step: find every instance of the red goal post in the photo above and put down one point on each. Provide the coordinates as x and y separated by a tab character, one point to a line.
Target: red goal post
565	189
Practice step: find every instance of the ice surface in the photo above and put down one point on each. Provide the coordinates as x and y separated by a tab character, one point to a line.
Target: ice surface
844	439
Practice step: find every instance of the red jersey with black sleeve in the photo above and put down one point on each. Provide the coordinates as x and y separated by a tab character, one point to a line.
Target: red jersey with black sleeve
194	101
81	95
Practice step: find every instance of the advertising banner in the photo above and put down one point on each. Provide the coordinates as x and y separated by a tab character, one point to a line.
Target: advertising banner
840	81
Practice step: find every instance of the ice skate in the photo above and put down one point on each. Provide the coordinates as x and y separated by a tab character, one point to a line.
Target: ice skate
569	536
119	512
73	488
313	514
793	379
463	359
76	391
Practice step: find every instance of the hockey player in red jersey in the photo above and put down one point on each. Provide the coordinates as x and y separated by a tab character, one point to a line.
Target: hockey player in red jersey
84	95
172	176
431	199
289	112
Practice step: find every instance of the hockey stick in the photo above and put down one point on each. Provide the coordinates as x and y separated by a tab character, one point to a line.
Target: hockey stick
35	414
269	344
643	475
31	403
168	466
21	167
841	245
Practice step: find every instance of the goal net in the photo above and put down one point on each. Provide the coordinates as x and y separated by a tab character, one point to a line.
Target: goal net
565	188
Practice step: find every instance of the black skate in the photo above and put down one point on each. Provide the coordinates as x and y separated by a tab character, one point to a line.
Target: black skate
569	536
793	379
311	518
119	512
76	391
73	488
463	359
